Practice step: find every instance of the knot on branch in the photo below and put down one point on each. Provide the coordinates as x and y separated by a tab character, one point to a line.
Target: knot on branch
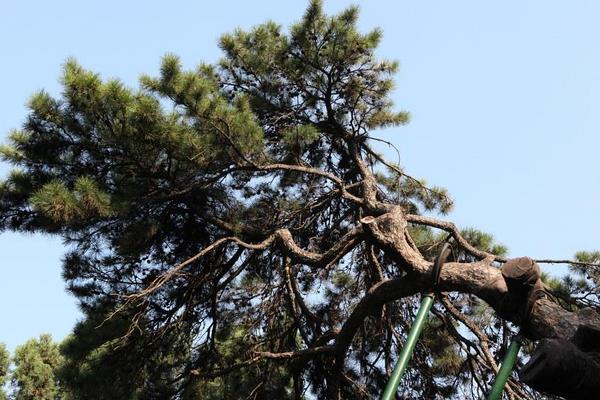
388	228
523	281
389	232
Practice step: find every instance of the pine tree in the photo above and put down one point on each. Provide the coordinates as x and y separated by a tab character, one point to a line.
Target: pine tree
4	365
36	363
240	211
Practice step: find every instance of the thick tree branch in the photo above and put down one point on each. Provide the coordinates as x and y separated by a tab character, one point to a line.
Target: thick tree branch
314	171
454	231
282	237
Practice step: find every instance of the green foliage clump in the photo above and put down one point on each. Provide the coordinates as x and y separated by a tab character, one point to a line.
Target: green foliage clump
4	369
34	376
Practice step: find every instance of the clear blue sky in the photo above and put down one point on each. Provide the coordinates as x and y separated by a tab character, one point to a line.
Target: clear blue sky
504	98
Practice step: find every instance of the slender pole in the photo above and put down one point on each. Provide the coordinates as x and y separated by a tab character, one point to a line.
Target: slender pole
505	369
406	353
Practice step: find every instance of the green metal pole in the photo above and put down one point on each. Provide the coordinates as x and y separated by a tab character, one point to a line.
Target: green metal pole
406	353
505	369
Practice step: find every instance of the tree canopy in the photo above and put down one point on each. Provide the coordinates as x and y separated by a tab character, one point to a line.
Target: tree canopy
231	230
4	365
35	364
